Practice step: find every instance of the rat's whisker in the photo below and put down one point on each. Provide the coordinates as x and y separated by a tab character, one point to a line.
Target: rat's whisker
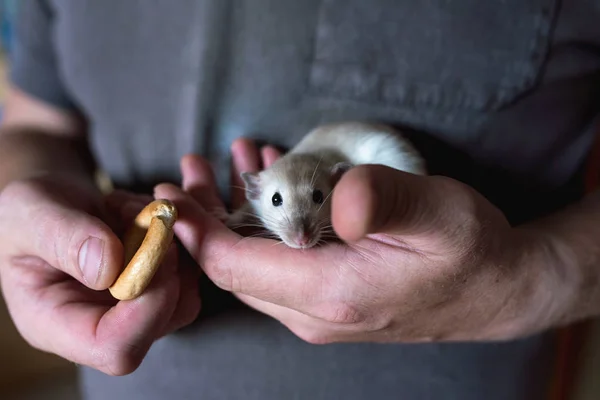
321	243
328	232
244	189
246	226
312	179
248	214
286	217
262	235
325	201
325	225
328	236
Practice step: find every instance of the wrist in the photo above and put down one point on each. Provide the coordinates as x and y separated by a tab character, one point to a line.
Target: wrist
550	279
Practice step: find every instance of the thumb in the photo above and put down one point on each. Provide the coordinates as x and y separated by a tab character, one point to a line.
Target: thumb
80	245
37	223
379	199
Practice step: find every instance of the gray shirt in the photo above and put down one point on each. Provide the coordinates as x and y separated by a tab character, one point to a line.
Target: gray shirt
502	95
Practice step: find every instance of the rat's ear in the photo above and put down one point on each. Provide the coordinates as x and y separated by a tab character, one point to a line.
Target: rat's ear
338	170
252	183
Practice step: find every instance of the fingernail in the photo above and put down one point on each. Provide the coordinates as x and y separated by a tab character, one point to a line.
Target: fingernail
90	259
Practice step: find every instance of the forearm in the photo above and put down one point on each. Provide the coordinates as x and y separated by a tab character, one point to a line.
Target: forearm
25	152
567	259
37	138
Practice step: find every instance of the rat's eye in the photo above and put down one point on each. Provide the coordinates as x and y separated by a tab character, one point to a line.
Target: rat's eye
277	200
318	196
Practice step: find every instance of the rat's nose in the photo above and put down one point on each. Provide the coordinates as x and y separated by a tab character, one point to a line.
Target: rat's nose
302	238
302	230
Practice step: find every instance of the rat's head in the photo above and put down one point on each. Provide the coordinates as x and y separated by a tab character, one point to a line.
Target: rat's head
292	197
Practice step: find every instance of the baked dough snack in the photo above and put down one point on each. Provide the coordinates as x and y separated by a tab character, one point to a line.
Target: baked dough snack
146	244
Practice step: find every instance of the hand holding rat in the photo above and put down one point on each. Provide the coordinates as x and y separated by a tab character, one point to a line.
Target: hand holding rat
426	258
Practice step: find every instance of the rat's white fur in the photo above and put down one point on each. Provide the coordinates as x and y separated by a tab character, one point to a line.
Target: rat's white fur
364	143
316	163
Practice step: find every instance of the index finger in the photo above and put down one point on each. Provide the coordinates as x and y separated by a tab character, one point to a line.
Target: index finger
306	281
244	159
199	182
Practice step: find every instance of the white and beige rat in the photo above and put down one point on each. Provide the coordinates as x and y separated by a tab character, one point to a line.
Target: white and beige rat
290	199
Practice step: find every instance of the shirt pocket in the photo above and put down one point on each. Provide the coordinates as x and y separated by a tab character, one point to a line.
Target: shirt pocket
470	54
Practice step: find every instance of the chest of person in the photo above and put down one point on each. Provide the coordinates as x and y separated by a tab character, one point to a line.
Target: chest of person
159	79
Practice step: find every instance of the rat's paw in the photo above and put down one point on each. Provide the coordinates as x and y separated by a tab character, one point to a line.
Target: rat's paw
220	213
241	217
235	220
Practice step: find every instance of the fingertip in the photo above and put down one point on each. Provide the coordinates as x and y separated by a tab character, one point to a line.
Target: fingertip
188	158
194	161
111	260
245	156
240	144
269	155
167	191
187	207
184	164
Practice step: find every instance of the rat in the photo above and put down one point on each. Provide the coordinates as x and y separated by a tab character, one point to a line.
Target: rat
290	199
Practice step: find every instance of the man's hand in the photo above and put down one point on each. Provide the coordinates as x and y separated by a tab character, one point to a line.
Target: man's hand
60	247
425	258
57	257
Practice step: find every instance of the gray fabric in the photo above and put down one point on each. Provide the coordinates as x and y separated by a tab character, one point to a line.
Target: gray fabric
239	355
34	64
501	95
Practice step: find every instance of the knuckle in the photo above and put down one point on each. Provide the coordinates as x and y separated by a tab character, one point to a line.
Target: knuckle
18	191
464	203
221	275
342	313
55	223
190	316
457	193
191	313
381	323
444	181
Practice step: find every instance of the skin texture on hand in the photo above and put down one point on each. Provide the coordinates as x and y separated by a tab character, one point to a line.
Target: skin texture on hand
58	307
425	259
